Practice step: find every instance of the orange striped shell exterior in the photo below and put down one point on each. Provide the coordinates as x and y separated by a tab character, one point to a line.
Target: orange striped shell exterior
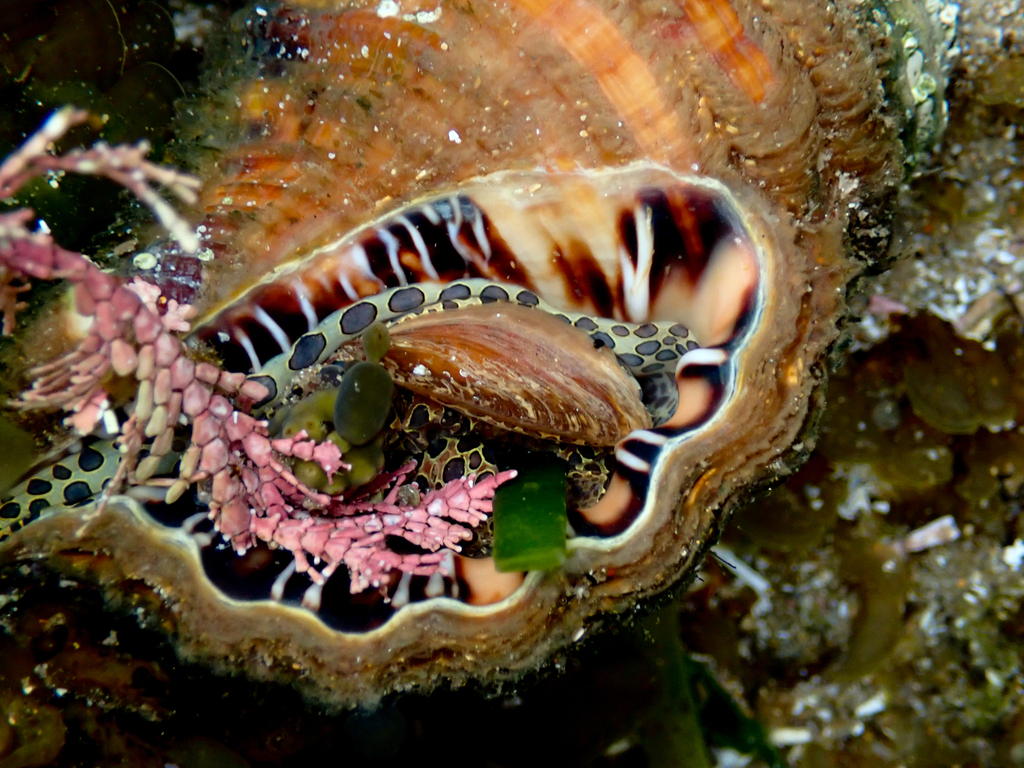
369	110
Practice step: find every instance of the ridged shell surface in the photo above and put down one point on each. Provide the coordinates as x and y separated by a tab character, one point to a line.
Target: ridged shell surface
716	171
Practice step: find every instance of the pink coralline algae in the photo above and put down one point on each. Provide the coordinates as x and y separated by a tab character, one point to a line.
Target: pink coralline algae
253	495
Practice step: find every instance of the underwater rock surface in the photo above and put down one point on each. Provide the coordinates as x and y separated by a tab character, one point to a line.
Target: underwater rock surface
904	526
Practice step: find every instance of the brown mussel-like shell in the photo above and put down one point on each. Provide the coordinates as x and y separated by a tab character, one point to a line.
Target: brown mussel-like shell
553	146
518	369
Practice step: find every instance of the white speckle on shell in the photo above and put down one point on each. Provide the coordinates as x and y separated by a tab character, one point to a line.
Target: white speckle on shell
144	260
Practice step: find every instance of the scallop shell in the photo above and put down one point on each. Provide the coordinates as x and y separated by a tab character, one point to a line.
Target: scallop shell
570	126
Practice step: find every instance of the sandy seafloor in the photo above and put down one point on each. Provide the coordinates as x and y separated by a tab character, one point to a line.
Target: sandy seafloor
868	612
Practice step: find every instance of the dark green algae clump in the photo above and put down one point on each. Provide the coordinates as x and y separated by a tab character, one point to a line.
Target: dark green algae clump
357	409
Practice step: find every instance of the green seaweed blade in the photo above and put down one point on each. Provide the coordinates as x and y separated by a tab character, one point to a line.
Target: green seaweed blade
530	519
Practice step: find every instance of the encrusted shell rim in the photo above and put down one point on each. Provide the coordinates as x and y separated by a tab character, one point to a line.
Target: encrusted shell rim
413	648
